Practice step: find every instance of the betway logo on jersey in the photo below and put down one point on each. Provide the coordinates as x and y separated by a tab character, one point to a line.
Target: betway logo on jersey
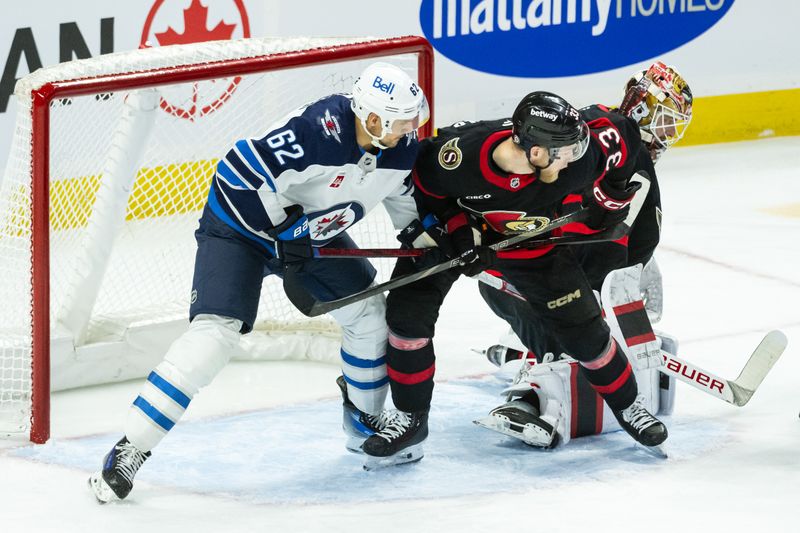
595	35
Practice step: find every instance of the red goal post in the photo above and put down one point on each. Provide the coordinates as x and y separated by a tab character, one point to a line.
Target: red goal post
28	208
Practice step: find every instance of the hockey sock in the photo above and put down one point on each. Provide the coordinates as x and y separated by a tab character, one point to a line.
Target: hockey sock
192	361
364	334
367	383
612	377
410	365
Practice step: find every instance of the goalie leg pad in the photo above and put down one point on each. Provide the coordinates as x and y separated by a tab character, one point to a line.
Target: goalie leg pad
192	361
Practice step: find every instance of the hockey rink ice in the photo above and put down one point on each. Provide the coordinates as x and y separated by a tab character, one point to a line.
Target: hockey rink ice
261	449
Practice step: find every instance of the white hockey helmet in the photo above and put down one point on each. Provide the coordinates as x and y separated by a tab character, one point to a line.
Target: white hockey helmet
392	95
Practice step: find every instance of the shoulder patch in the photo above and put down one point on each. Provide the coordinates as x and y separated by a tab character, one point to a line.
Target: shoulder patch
450	155
330	126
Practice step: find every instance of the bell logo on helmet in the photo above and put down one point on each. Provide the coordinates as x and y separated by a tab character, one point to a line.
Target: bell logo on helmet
383	87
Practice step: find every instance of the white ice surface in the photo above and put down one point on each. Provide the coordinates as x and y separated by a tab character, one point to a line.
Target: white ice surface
261	448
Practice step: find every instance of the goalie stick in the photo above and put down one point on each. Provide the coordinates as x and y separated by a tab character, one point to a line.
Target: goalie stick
611	234
633	327
307	304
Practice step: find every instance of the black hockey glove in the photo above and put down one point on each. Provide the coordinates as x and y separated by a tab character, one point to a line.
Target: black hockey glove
466	241
292	239
608	202
428	234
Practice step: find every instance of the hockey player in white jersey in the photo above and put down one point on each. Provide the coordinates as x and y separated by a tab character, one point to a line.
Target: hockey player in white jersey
273	199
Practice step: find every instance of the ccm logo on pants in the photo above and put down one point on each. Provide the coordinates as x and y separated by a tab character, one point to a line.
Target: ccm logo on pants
564	300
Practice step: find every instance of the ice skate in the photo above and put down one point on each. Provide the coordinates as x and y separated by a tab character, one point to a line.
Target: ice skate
357	425
520	419
641	425
399	442
120	465
499	354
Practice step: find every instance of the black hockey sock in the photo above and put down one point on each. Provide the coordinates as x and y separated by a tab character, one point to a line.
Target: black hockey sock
612	377
410	366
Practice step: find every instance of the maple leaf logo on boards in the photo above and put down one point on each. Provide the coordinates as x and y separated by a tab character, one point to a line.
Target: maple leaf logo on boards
195	18
184	22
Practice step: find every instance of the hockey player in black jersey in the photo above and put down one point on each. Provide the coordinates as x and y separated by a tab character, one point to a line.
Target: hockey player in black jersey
660	101
490	179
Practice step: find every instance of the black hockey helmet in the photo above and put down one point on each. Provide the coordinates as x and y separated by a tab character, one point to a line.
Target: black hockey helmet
547	120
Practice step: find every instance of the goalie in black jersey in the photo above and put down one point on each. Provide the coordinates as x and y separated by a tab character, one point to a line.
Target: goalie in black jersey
490	179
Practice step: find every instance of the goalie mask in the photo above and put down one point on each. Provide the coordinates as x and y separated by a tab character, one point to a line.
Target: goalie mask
661	102
388	92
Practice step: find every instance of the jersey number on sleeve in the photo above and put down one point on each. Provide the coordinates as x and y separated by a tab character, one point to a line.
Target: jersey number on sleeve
610	136
281	139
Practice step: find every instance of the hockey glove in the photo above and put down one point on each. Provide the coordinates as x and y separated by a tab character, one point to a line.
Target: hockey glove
608	202
466	241
292	238
429	234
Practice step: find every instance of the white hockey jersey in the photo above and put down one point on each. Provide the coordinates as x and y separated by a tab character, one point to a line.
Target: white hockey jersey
311	158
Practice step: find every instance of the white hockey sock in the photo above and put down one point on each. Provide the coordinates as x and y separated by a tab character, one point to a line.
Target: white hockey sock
364	335
192	361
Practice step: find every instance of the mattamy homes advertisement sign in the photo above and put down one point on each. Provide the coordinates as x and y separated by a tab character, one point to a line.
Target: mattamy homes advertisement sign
735	54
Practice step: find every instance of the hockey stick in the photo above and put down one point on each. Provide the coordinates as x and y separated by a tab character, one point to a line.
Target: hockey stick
311	307
736	392
367	252
610	234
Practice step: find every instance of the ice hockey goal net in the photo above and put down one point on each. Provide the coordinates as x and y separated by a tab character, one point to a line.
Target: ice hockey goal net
110	165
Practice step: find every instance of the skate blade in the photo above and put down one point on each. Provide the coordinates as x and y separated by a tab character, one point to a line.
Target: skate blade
353	444
527	433
412	454
100	489
659	451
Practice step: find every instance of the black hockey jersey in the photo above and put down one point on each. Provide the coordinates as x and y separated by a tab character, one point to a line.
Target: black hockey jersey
636	247
455	173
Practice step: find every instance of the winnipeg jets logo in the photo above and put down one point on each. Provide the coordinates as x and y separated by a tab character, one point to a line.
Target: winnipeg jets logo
331	222
326	225
330	125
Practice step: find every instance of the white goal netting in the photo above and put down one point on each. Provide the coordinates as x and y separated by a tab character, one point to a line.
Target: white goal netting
129	172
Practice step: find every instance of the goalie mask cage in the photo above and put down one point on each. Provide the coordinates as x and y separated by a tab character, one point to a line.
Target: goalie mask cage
110	165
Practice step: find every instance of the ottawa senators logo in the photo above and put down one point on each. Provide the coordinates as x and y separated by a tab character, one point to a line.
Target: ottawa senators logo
450	155
507	222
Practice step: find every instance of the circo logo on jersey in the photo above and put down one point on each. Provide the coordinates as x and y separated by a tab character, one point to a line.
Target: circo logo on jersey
553	38
327	224
181	22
